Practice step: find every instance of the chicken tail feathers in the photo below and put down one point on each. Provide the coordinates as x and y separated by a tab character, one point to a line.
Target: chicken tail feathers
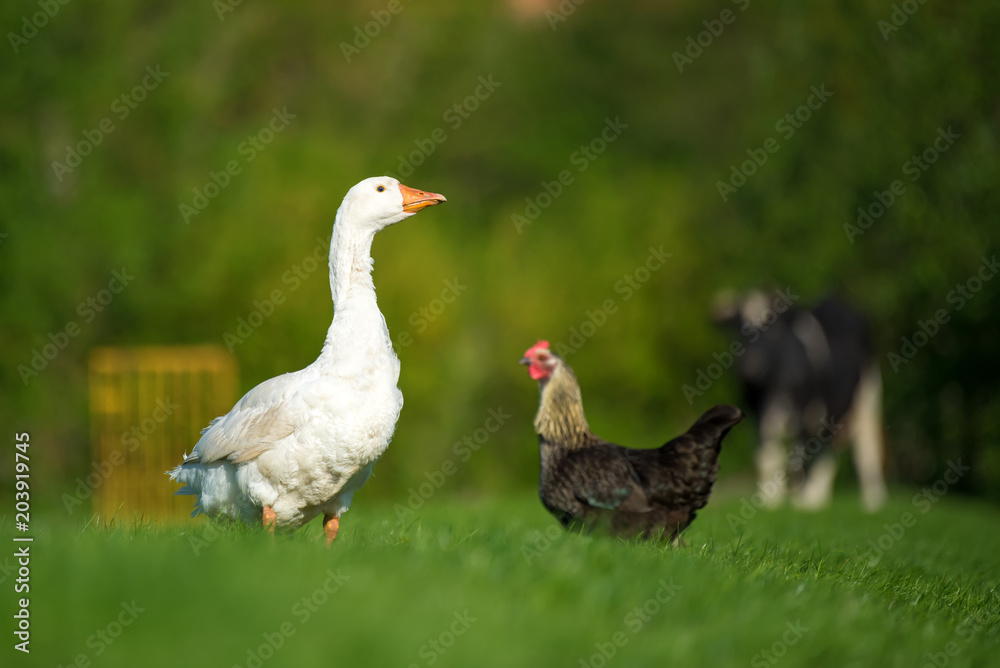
709	430
679	475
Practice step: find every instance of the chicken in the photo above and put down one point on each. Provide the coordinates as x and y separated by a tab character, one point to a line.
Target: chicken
589	482
303	443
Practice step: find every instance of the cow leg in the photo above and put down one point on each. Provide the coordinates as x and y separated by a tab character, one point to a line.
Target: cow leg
866	436
818	488
772	478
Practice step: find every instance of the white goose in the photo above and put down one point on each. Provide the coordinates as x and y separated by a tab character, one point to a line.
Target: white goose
302	443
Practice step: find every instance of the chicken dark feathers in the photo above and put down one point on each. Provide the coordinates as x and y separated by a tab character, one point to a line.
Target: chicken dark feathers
588	481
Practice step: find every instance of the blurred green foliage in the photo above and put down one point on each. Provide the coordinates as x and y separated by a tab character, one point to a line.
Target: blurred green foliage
654	185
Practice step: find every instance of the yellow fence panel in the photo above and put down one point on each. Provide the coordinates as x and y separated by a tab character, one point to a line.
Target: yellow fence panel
148	406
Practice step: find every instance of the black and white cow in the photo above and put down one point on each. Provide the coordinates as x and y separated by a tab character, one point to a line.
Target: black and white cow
809	376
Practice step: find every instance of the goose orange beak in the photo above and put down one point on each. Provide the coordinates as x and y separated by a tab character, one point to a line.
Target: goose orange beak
414	200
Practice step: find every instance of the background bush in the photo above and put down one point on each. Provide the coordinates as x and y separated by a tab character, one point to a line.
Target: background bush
655	185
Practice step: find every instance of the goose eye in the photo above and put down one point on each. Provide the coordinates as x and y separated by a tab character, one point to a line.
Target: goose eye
380	189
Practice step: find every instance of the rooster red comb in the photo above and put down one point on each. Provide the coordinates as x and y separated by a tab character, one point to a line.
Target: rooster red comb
541	345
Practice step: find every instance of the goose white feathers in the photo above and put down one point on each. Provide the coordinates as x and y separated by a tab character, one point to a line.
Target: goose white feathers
302	443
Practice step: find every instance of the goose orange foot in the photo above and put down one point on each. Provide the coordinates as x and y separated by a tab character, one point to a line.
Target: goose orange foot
270	518
331	525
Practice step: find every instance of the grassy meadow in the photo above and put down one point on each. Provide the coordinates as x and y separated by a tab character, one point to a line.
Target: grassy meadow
495	582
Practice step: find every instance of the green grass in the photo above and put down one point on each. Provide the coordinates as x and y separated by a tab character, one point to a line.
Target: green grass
538	596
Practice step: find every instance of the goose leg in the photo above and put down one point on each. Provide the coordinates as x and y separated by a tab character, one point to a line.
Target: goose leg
331	525
269	518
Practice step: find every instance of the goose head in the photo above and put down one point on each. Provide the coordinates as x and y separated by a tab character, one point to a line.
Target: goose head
380	201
